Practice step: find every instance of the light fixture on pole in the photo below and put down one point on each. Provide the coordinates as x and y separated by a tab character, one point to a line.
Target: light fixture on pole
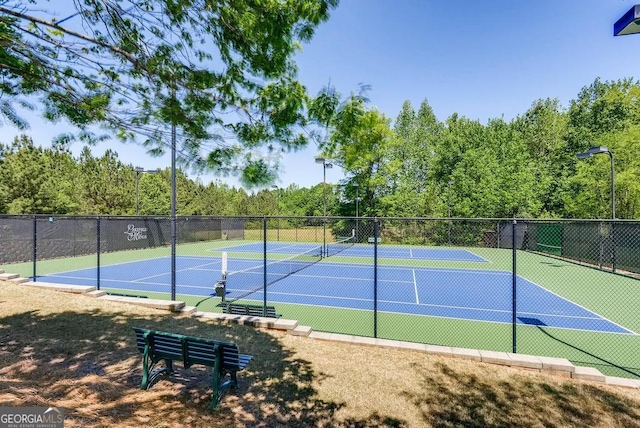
597	150
139	171
277	189
325	165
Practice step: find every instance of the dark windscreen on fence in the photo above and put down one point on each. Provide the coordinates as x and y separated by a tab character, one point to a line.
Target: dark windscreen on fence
536	287
603	244
600	243
16	239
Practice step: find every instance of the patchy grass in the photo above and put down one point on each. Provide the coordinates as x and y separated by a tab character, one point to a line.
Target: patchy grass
79	353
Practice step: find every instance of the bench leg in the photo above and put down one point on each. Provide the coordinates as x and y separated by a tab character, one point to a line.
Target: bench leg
220	385
148	374
156	373
217	394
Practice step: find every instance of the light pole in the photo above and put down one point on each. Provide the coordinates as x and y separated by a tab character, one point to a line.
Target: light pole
139	171
357	186
325	165
277	189
449	208
605	150
597	151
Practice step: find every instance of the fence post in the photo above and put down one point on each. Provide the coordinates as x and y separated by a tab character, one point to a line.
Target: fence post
174	237
513	287
613	245
601	244
376	230
264	271
98	251
35	247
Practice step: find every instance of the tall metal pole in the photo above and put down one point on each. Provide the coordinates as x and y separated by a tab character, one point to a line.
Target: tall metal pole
325	165
449	210
357	186
376	231
98	239
278	210
357	199
140	170
613	188
173	207
613	214
324	195
514	289
597	150
137	175
264	268
35	248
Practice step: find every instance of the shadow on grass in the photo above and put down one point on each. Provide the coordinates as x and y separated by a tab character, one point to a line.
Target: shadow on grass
87	362
457	398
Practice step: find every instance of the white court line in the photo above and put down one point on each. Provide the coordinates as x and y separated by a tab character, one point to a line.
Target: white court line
177	270
478	256
472	271
466	308
275	249
415	285
576	304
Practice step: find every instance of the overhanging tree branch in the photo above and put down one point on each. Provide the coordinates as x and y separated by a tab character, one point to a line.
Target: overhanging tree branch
229	62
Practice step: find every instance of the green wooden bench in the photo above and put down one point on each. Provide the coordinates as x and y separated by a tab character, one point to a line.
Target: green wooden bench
253	310
223	357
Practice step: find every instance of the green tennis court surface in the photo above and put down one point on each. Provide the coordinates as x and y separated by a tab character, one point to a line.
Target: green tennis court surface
445	298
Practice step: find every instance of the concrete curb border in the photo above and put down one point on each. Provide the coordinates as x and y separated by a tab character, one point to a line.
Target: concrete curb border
555	366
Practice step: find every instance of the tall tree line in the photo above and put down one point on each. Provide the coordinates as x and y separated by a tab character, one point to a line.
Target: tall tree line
415	166
526	167
37	180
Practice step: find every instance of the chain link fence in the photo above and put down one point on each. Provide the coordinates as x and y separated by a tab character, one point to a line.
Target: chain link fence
562	288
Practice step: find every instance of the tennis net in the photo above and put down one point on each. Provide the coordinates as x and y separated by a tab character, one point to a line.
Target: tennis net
238	283
340	245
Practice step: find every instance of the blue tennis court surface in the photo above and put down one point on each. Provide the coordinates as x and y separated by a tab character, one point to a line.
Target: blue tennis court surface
448	293
391	252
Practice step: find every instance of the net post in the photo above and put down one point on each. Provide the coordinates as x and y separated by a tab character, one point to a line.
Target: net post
221	285
225	264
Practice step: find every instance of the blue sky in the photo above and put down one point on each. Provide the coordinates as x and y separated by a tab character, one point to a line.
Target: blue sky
480	59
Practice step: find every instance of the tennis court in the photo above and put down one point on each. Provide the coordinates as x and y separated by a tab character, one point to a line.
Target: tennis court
467	294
